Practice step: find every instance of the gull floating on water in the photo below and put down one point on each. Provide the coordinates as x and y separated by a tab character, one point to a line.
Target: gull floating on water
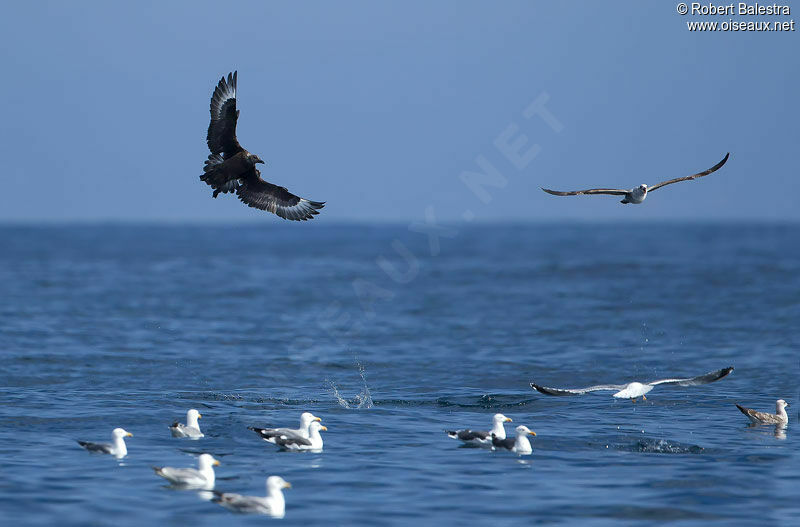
190	429
638	194
272	504
116	448
296	442
780	417
202	477
518	444
306	418
482	437
632	390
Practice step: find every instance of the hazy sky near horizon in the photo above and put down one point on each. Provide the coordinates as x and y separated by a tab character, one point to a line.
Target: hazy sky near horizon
380	108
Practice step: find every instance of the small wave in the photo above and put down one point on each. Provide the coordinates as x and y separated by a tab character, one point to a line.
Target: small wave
362	400
661	446
487	401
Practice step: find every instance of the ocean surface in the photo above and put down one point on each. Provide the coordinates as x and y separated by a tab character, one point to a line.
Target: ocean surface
392	337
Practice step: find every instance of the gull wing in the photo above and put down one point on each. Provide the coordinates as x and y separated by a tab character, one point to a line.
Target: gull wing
759	417
612	191
270	433
221	136
507	443
696	381
693	176
469	435
260	194
577	391
290	441
181	475
103	448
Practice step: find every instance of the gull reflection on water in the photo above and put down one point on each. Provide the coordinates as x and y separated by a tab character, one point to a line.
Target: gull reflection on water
780	431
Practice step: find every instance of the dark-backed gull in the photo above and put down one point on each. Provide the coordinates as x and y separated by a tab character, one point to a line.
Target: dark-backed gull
116	448
306	418
297	442
637	194
482	437
632	390
518	444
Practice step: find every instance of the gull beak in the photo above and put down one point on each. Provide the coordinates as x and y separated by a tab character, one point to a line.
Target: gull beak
287	485
128	435
532	433
199	416
323	428
318	419
509	420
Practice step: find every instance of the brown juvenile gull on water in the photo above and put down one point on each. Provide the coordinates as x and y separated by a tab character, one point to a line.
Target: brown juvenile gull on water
632	390
231	168
482	437
637	194
780	417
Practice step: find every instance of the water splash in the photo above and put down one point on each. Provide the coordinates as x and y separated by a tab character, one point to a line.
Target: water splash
362	400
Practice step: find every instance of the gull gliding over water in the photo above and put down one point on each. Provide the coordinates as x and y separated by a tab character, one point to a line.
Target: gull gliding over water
632	390
637	194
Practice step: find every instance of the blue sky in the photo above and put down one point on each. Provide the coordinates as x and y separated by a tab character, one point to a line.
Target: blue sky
379	108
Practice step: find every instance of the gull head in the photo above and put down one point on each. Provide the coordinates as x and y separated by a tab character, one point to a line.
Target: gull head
500	418
277	483
642	188
781	404
206	461
316	427
193	414
523	430
119	433
306	418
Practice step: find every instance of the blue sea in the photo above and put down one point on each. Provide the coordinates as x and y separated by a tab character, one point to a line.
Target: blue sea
391	337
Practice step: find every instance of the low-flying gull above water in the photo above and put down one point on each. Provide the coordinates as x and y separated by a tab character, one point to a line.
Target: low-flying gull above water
638	194
306	418
780	417
116	448
482	437
202	477
632	390
518	444
190	429
231	168
272	504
